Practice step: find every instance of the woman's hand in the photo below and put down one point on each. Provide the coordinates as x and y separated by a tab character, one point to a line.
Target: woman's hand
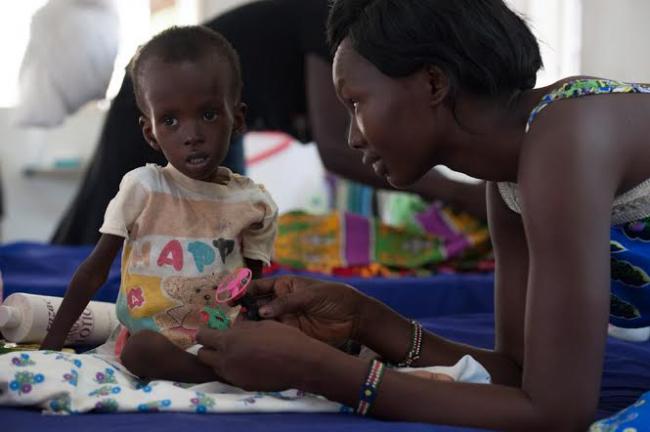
261	355
328	311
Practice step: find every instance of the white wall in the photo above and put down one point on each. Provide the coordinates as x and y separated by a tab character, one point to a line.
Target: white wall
211	8
615	39
33	205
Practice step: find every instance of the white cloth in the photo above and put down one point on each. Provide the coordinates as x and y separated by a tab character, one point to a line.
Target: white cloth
75	383
69	60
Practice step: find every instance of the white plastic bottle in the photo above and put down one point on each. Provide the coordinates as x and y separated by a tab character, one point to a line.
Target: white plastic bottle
26	318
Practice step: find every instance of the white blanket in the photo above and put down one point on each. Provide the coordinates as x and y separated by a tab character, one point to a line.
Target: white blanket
63	383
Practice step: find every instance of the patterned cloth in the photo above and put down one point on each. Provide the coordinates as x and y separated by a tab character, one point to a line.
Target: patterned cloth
630	264
585	87
635	418
346	243
181	237
62	383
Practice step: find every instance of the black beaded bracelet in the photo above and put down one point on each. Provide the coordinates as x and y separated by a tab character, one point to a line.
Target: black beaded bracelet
415	349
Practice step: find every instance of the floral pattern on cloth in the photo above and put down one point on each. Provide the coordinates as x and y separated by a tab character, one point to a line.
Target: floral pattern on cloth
585	87
635	418
61	383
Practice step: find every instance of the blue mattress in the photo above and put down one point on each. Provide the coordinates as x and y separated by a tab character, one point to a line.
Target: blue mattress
45	269
454	306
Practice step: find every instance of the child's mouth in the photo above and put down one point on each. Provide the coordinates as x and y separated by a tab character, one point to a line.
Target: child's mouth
197	161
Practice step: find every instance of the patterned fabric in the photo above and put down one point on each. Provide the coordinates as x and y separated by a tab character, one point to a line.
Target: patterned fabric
585	87
630	265
181	237
345	242
635	418
61	383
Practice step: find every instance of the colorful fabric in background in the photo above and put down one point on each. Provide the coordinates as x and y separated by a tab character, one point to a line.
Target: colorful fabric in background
635	418
344	243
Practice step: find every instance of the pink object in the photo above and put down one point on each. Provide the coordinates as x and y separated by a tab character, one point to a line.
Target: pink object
233	286
120	341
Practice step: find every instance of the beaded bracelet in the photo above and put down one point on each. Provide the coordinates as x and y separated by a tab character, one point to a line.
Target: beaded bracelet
369	389
415	349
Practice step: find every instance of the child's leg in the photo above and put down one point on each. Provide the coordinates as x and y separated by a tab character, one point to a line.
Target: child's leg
150	355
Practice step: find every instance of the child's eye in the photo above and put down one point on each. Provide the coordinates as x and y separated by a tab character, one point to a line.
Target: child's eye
210	116
169	121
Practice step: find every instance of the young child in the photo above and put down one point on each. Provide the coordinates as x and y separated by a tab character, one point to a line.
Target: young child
184	226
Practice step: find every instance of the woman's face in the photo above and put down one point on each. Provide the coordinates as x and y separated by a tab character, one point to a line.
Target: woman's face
392	119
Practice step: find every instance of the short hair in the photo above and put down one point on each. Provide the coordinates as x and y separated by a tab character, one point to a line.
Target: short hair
483	46
185	43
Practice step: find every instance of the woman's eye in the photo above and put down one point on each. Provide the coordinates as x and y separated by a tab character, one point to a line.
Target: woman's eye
209	116
169	121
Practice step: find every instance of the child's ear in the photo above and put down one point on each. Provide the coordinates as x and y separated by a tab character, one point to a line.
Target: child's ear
147	132
438	85
239	124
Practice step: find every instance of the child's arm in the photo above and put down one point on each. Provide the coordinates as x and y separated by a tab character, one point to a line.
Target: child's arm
255	267
90	275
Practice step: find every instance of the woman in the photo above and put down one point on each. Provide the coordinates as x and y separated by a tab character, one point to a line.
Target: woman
452	82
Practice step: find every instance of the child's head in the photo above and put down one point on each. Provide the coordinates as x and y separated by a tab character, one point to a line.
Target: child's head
402	65
187	84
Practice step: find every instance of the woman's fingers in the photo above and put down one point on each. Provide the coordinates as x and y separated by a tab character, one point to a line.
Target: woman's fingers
210	338
261	287
287	304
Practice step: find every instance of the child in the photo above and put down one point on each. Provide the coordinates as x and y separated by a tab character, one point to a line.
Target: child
183	226
452	82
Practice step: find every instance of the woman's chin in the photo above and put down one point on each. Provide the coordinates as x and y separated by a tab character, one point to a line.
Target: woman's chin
397	182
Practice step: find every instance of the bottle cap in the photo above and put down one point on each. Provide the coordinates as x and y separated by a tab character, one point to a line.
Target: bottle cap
10	317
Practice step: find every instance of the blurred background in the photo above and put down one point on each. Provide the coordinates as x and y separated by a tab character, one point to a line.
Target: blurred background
41	166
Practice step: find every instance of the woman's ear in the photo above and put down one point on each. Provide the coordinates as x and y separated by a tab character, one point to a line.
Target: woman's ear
147	132
239	117
438	85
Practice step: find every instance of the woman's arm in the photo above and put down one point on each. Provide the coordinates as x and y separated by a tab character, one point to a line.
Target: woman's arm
90	275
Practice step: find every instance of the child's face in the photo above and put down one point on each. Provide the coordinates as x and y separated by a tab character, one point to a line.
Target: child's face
190	113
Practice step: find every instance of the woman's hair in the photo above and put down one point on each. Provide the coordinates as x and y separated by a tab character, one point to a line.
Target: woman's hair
483	46
186	43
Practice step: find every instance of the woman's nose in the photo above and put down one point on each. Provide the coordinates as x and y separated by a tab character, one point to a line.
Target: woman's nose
355	137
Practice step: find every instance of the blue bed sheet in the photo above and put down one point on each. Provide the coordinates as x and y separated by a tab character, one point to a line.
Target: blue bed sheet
455	306
46	269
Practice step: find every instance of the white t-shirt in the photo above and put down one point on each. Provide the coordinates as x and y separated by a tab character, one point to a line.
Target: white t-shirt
181	237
